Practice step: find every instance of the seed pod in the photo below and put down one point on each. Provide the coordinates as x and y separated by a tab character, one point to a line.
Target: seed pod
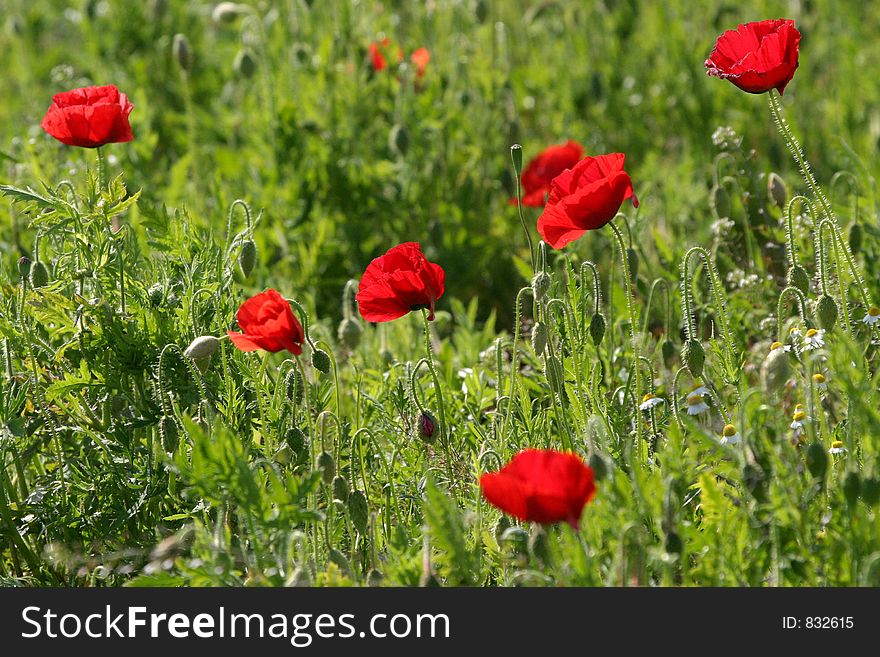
719	201
826	312
667	350
540	336
24	267
245	63
227	12
296	440
870	490
350	332
294	386
775	370
597	328
516	157
202	347
777	192
799	278
693	356
156	294
327	466
358	511
321	361
427	427
541	285
855	237
39	274
852	487
182	52
555	375
632	260
599	465
817	460
247	257
340	489
169	433
398	139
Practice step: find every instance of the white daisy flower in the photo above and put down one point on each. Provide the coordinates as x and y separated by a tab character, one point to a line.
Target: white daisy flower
837	447
696	405
700	390
779	345
649	401
872	316
820	381
729	435
798	421
813	339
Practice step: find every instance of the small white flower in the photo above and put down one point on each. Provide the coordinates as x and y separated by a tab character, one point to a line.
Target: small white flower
729	435
814	339
696	405
820	381
649	401
837	447
798	421
872	316
779	345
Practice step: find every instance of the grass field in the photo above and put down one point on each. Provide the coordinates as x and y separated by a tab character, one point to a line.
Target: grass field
125	462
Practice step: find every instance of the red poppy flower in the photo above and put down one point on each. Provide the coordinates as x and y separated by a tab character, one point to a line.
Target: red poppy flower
585	197
543	168
420	58
380	52
267	322
398	282
757	57
89	117
541	485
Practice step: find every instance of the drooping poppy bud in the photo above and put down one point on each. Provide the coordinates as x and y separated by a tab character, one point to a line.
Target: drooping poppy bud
427	426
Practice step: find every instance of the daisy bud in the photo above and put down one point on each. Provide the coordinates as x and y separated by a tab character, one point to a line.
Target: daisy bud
855	238
39	274
202	347
169	433
398	139
340	489
327	466
693	356
667	350
632	260
245	64
24	267
777	191
852	486
247	258
826	312
182	53
817	460
719	201
296	440
427	426
540	336
597	329
799	278
321	361
358	511
516	157
541	285
870	490
350	332
227	12
776	369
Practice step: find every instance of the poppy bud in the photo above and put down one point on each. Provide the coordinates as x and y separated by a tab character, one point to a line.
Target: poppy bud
227	12
516	538
284	455
500	527
539	544
293	384
182	53
599	465
674	544
776	369
667	350
516	157
555	375
338	558
358	510
296	440
597	329
427	426
245	64
870	490
387	356
374	578
340	489
398	139
157	9
156	293
799	278
693	356
855	238
169	433
321	361
481	10
826	312
24	267
851	487
350	332
817	460
541	285
202	347
39	274
247	257
540	336
777	191
719	201
327	466
632	260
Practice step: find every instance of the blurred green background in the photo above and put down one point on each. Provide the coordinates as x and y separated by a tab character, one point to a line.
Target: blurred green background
280	107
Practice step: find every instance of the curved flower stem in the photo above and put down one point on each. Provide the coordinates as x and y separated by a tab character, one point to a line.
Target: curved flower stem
825	226
229	216
717	292
797	153
633	323
658	282
802	306
514	371
519	208
438	391
789	225
674	396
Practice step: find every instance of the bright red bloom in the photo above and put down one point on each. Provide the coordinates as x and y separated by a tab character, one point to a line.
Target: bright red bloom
757	57
398	282
89	117
420	58
542	485
267	322
585	197
543	168
380	52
